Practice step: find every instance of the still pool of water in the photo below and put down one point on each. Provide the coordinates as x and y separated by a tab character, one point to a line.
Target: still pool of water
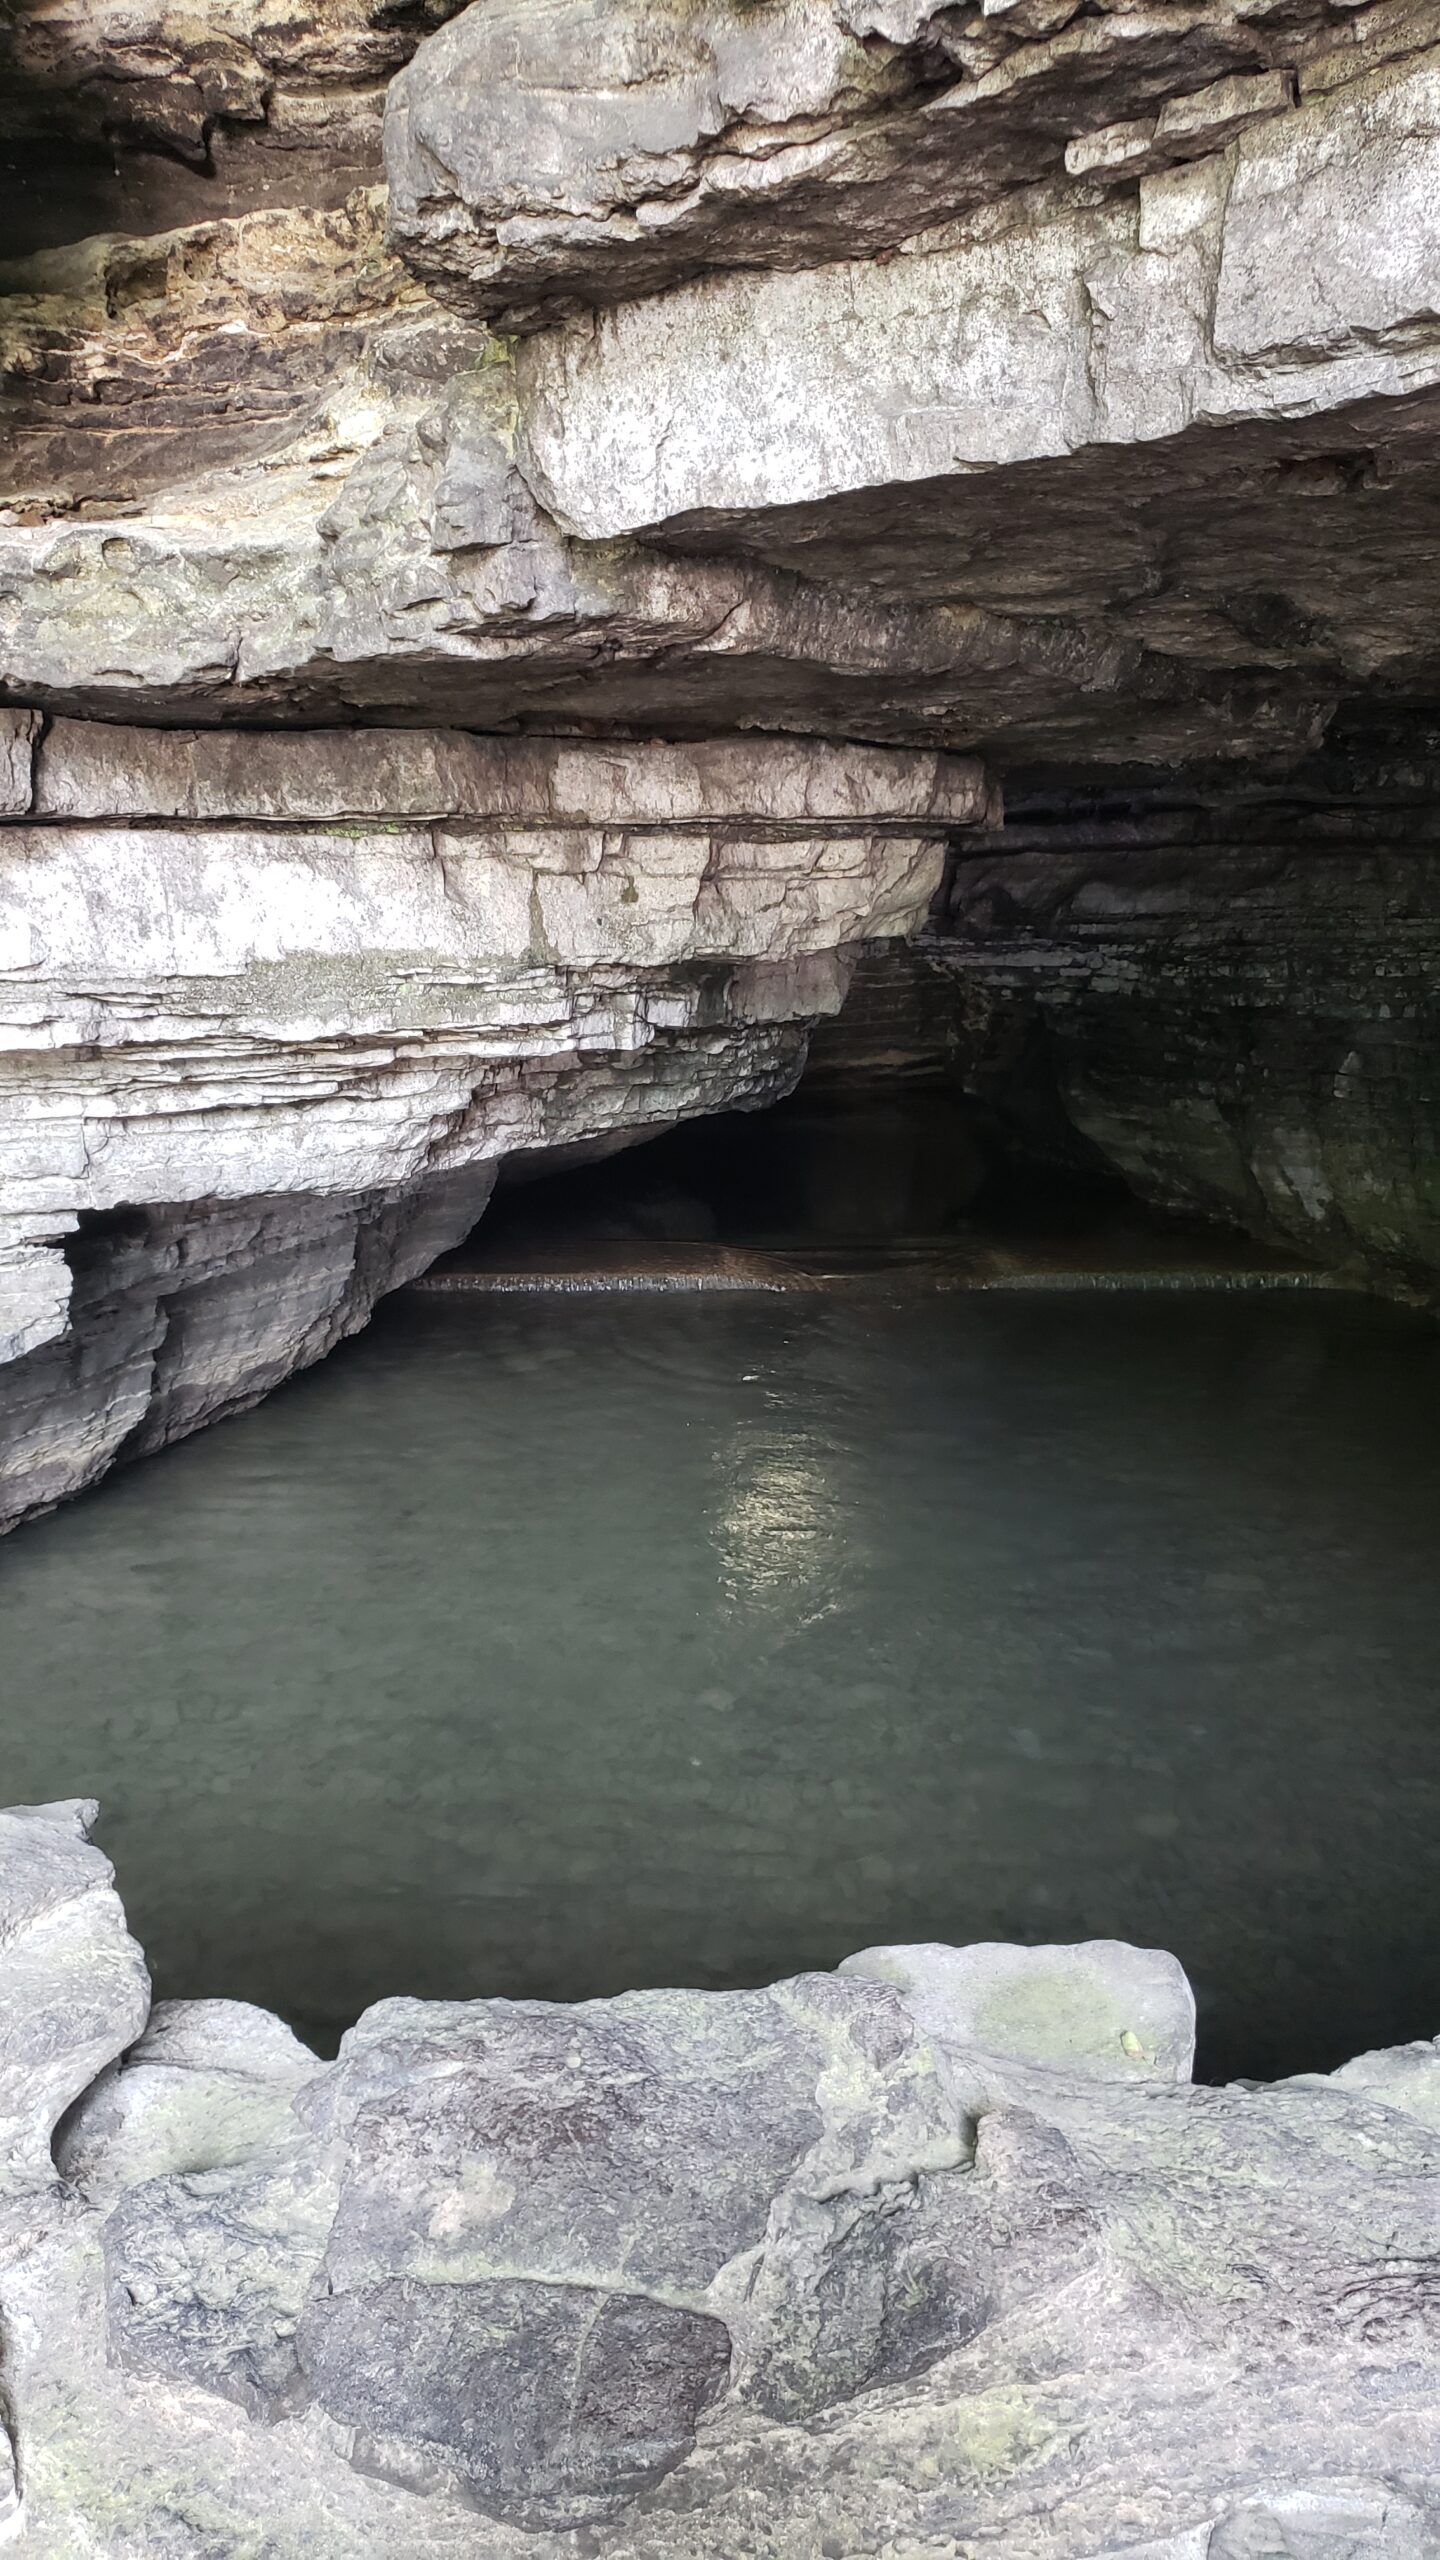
550	1646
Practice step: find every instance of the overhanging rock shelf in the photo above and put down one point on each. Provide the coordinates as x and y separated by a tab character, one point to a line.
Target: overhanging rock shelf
277	1004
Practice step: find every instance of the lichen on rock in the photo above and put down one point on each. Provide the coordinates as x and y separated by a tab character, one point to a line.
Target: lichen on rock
686	2271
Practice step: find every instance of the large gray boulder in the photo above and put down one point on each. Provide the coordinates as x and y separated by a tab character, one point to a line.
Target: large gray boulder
528	2246
939	2254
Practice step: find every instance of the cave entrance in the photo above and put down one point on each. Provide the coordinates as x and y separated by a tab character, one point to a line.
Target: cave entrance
851	1183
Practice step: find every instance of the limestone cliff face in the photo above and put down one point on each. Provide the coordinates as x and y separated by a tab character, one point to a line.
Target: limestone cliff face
458	465
276	1005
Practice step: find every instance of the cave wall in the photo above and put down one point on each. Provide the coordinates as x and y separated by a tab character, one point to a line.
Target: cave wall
1232	997
723	471
276	1005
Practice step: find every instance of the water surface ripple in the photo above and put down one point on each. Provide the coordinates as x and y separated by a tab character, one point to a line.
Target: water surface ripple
548	1646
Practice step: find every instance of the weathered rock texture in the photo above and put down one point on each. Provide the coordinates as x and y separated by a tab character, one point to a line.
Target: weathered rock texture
677	139
1238	1009
158	113
1043	384
1226	996
275	1006
941	2253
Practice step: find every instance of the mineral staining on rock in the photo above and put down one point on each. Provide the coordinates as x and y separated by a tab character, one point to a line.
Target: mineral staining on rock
941	2250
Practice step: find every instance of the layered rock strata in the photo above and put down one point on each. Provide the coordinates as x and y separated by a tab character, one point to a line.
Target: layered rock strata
941	2252
1227	996
1127	459
116	116
276	1005
678	141
1046	384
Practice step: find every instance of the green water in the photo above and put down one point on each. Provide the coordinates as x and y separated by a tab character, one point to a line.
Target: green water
548	1646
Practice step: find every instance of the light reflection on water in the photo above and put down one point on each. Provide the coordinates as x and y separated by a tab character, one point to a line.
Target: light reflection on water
785	1534
549	1646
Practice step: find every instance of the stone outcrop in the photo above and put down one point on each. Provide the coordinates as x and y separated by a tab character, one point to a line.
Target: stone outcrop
277	1004
678	140
1046	386
1229	289
942	2251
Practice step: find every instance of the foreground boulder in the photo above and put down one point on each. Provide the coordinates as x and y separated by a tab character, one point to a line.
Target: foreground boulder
939	2254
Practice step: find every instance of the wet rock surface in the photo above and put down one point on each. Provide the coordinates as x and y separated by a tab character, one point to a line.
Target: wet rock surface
945	2246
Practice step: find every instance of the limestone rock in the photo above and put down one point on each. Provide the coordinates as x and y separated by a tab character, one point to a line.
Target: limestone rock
165	114
557	2235
683	139
1191	981
1101	2009
547	2403
1405	2076
784	786
209	2084
846	2260
18	732
73	1986
258	473
1212	295
130	364
160	1320
314	987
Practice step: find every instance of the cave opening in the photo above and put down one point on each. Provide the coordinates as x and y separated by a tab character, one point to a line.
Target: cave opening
719	1247
853	1178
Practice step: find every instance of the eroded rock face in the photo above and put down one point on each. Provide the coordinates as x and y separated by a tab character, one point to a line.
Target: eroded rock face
73	1987
584	154
157	114
942	2248
1231	998
1228	289
1055	385
277	1006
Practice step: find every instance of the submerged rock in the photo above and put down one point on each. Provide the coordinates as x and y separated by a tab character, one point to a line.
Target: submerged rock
922	2256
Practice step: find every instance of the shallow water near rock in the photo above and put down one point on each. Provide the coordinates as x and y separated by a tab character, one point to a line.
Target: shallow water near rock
550	1646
